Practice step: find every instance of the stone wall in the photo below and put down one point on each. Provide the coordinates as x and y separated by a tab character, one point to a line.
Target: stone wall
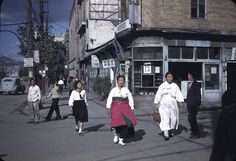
220	15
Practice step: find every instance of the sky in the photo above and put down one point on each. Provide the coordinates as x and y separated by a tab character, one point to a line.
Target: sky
14	11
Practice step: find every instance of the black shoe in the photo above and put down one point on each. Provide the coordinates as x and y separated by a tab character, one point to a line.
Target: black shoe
59	118
36	122
194	136
166	138
171	133
47	119
77	130
30	122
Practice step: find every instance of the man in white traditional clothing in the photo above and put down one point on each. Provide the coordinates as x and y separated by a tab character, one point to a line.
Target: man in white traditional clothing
167	96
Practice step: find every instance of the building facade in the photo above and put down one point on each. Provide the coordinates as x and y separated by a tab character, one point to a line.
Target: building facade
153	37
92	30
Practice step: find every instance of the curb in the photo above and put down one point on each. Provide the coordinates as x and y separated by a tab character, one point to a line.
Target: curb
20	107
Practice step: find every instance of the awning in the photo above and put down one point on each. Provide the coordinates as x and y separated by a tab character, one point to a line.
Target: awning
105	51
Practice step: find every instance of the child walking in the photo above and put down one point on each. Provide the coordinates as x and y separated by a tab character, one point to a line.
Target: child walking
78	103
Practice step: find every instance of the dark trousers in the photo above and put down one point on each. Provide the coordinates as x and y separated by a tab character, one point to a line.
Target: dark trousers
125	131
192	119
55	107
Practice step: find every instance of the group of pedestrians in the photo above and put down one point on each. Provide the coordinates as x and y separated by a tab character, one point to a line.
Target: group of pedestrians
34	100
120	107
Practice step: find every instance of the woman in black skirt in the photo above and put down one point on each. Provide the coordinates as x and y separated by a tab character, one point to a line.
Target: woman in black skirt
78	103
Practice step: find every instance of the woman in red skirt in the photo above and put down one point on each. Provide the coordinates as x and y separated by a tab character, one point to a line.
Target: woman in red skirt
120	105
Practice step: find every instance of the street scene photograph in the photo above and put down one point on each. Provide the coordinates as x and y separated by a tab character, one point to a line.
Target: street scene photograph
117	80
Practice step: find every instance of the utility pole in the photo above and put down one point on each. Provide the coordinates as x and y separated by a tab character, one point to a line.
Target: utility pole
29	33
41	32
0	14
41	16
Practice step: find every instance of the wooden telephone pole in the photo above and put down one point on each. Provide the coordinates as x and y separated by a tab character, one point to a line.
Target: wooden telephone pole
29	33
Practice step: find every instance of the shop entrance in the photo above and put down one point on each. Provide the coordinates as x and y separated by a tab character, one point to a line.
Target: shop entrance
180	71
231	75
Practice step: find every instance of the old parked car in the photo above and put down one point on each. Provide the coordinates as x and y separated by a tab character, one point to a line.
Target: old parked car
12	85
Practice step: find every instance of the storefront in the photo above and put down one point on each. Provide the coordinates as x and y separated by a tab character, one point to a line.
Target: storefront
152	57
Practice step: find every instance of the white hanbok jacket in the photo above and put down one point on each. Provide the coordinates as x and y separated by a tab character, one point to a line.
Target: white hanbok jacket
167	96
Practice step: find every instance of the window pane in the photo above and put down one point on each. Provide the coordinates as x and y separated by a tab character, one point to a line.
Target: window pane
147	81
194	3
174	52
212	76
194	12
214	53
202	11
202	53
141	53
202	2
194	8
187	53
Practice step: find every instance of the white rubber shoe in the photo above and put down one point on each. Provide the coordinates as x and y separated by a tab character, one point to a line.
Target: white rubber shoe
116	139
121	142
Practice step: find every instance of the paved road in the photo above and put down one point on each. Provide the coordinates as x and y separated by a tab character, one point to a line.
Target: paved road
58	141
9	102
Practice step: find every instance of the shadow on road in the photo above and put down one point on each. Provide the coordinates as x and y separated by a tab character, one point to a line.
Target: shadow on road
138	136
2	156
93	128
180	129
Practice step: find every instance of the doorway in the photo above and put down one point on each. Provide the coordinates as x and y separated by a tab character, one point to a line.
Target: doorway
180	70
231	75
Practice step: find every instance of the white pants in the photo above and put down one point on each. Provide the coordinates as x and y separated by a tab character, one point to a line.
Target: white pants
35	115
169	113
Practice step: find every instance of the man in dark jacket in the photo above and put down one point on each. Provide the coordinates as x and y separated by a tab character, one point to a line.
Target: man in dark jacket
224	148
193	102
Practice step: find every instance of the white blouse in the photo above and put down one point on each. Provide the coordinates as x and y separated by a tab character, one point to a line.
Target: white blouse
168	89
122	93
75	96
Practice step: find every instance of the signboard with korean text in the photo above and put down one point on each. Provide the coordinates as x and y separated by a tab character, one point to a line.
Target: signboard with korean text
94	61
28	62
36	56
108	63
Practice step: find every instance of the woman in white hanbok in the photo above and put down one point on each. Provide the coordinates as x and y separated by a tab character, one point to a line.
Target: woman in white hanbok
167	96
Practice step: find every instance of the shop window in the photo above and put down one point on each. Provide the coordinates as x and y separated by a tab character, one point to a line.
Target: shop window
147	53
202	53
214	53
174	52
187	53
212	76
198	8
147	81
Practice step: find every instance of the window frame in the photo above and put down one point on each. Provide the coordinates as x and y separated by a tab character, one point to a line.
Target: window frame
198	14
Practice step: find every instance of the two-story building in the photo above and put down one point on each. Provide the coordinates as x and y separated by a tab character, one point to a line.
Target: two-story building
179	36
153	37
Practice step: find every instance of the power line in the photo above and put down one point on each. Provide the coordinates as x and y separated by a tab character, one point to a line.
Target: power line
14	24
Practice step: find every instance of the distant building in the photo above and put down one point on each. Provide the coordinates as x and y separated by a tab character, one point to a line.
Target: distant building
60	38
9	67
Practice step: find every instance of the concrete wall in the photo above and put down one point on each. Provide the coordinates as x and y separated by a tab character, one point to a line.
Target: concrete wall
220	15
73	40
99	32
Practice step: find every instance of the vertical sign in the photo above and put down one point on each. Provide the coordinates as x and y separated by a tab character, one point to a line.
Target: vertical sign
135	12
36	56
94	61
